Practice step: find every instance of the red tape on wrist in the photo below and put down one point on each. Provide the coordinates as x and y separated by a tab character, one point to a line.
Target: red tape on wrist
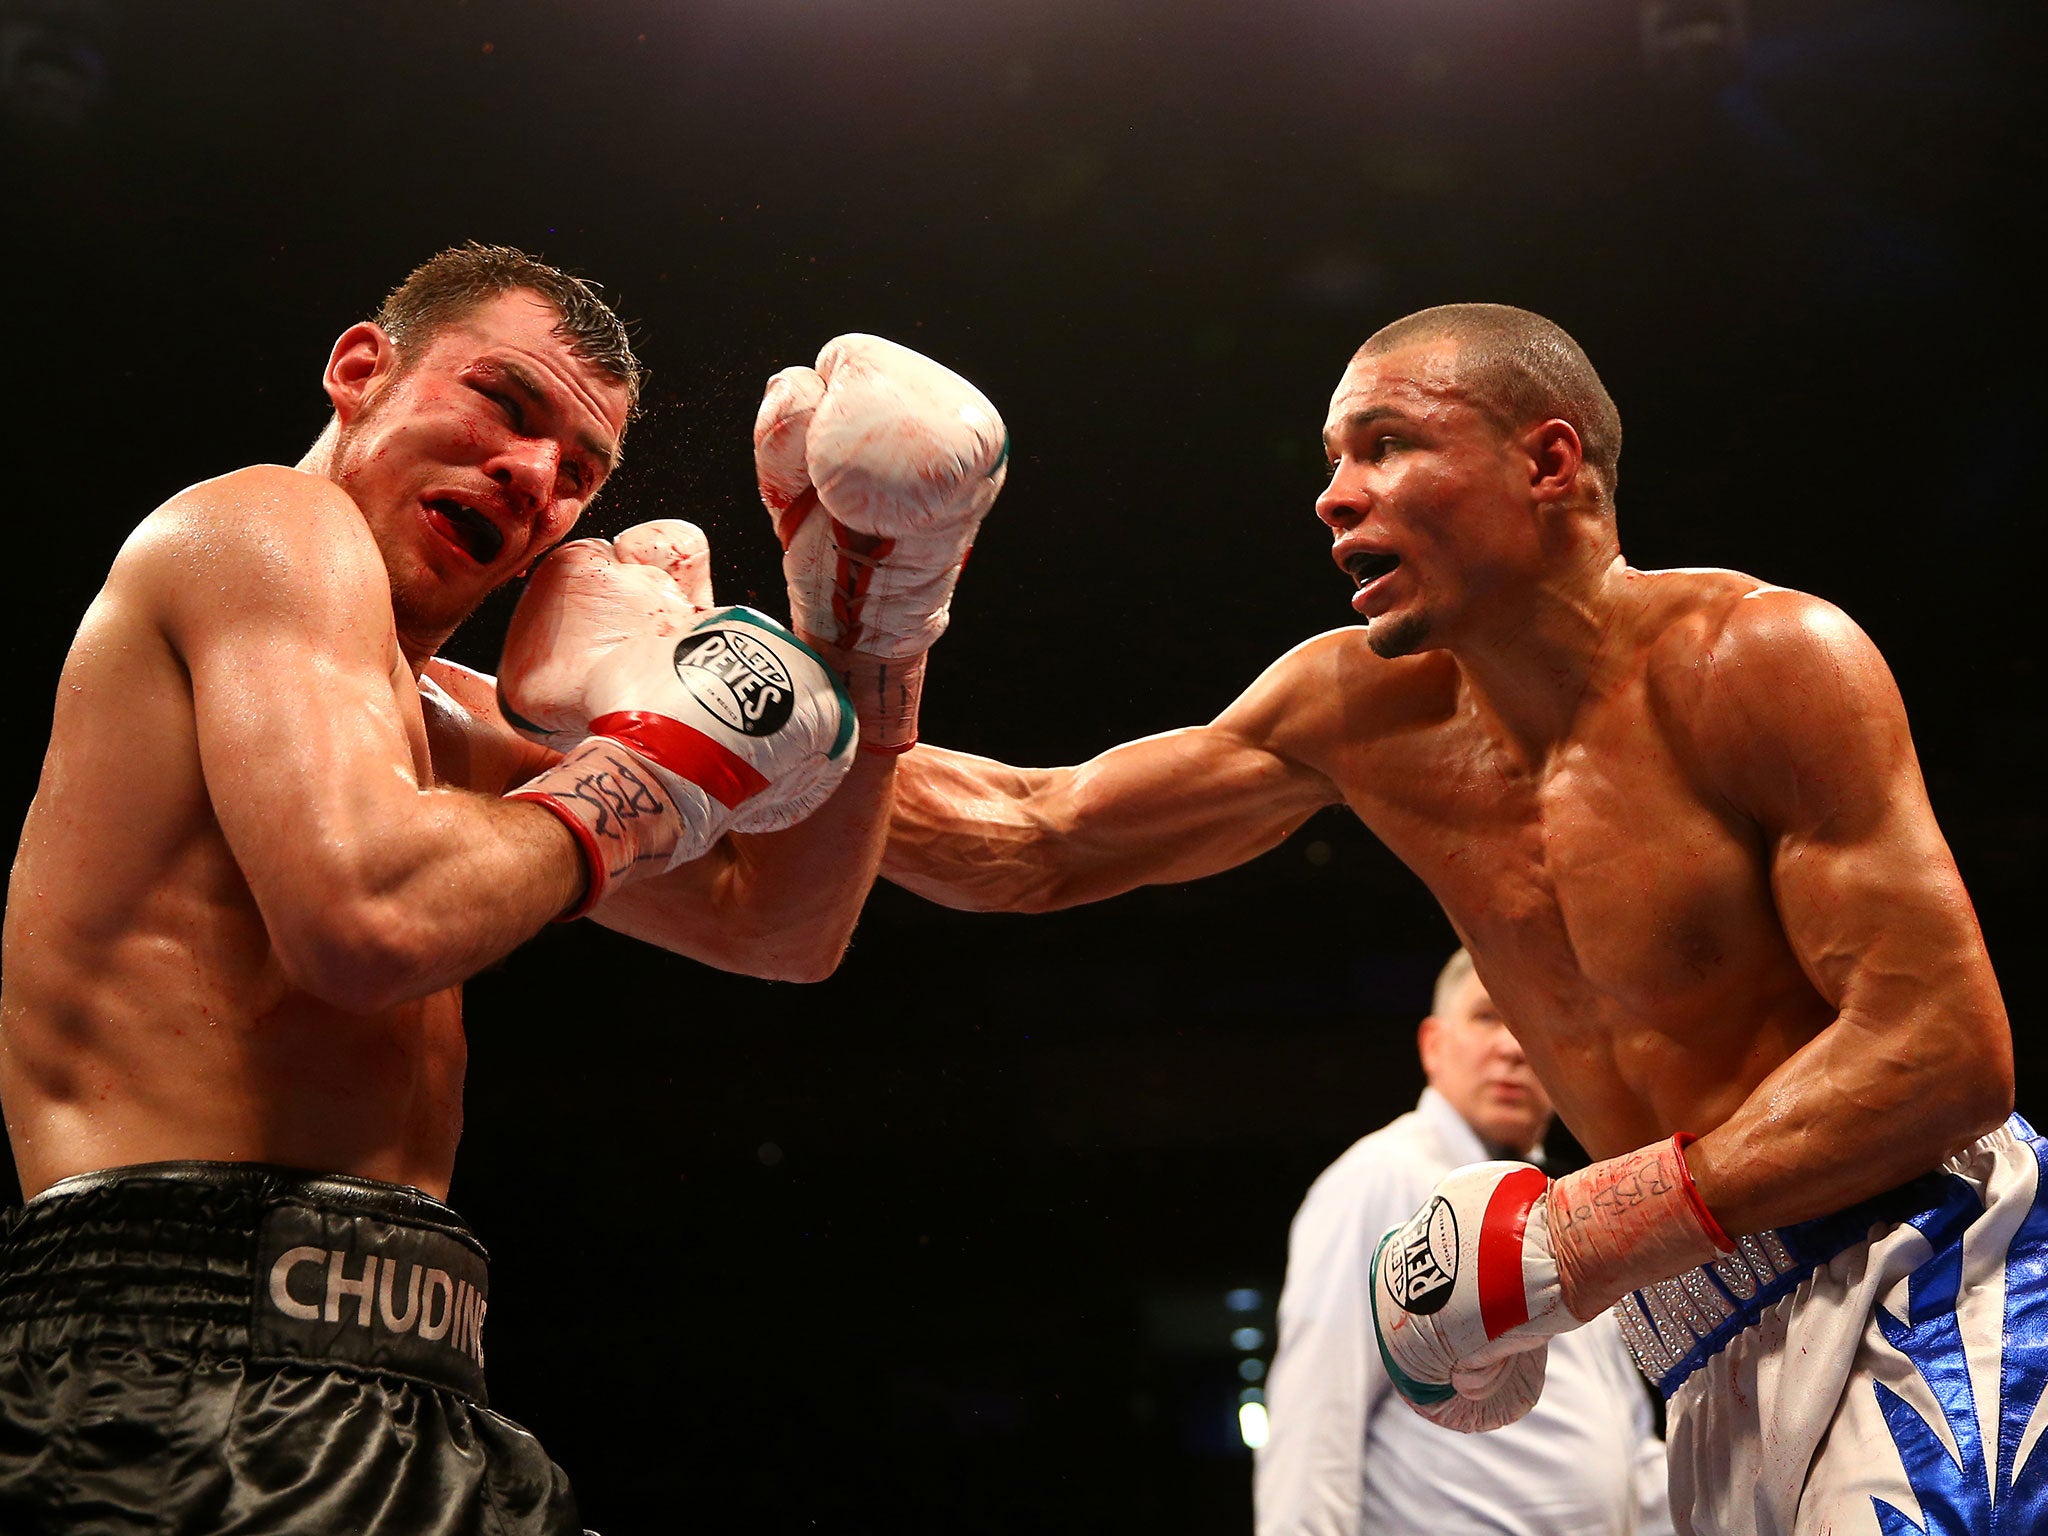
595	875
682	749
1503	1297
1715	1235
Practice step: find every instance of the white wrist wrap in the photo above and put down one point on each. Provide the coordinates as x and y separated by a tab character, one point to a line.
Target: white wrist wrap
1626	1222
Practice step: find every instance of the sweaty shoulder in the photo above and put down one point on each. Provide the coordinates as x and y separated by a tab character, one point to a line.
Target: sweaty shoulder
265	505
1333	696
257	540
1756	678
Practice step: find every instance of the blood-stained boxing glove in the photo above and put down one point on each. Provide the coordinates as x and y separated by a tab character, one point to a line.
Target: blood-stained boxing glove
680	723
585	600
878	466
1468	1293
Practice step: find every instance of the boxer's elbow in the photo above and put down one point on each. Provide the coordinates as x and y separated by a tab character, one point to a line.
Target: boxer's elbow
360	957
1969	1074
816	965
768	957
1992	1086
794	952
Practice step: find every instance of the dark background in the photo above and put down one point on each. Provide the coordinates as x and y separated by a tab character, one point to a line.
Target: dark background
942	1244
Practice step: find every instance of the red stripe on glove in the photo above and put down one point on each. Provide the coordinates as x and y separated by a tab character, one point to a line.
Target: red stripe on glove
1503	1298
682	749
790	516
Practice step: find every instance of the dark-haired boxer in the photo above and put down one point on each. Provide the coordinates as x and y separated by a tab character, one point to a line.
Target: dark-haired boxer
1677	819
274	833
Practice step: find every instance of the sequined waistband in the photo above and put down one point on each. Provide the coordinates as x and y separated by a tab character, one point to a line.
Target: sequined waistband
1676	1326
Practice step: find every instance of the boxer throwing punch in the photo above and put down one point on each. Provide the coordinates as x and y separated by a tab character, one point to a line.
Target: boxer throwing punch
1677	818
275	832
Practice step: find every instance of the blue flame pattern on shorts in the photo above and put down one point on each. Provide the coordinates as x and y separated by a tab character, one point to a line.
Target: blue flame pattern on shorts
1968	1497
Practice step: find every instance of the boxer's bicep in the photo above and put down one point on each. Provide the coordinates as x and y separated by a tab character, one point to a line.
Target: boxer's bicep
282	622
1814	748
279	611
1863	880
289	660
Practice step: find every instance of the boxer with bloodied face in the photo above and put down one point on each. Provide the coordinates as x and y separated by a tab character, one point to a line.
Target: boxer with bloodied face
275	832
1678	821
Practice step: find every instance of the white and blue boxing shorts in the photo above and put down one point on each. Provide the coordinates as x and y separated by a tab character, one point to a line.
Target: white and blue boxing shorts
1871	1373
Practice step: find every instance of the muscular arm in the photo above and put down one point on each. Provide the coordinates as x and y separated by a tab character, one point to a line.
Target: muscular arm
980	835
781	906
1805	731
375	887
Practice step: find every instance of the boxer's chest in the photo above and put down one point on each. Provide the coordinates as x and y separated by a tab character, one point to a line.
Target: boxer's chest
1602	869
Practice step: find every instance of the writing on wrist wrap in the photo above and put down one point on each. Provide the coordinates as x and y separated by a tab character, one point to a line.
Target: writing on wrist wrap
1625	1222
601	791
612	803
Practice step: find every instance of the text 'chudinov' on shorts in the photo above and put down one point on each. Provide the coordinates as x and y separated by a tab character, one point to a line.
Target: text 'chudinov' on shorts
234	1348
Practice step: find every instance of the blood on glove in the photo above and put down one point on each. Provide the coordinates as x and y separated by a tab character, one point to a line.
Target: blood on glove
878	466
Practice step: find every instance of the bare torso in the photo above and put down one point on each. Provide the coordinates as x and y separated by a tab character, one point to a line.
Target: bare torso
1687	844
1619	907
145	1015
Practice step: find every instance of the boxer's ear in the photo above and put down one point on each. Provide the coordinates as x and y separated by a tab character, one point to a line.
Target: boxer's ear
364	356
1555	456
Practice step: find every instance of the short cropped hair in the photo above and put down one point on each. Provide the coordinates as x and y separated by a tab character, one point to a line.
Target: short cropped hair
1448	980
1519	368
447	287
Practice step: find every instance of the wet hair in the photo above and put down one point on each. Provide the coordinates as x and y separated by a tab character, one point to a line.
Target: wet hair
1448	980
1518	368
450	286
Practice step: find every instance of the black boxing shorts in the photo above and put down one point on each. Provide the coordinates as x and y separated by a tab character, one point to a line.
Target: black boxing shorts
230	1347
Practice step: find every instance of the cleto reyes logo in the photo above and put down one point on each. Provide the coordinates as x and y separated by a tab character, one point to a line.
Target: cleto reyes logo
738	678
1424	1265
316	1285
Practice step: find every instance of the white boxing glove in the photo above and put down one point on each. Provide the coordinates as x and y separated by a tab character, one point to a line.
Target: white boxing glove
680	723
878	467
586	599
1467	1295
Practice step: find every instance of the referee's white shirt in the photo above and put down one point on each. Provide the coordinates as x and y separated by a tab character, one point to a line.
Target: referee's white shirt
1346	1457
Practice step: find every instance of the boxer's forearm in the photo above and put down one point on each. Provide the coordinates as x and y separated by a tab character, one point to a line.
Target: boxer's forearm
971	833
782	905
447	884
980	835
1877	1098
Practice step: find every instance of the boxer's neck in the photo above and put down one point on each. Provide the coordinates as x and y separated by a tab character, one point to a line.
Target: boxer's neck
1537	663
